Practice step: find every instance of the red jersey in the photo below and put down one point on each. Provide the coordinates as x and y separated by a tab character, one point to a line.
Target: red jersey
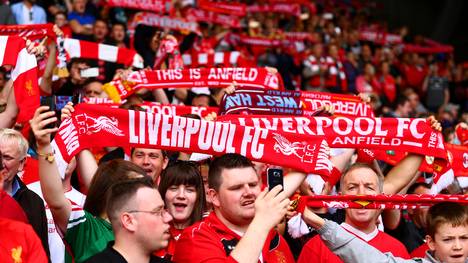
420	252
168	252
210	240
20	243
316	251
10	209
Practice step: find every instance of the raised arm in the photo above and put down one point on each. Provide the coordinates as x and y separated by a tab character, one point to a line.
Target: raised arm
51	182
270	209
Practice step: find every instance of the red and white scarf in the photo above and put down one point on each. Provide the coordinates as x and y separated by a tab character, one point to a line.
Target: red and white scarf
292	103
157	6
379	201
91	50
24	75
177	110
166	22
226	59
286	8
194	77
405	134
98	126
31	32
236	9
201	15
379	37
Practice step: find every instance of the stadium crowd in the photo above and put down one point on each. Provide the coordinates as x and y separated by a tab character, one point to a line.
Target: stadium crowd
78	185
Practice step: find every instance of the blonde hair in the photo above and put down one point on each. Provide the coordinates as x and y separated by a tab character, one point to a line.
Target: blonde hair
10	136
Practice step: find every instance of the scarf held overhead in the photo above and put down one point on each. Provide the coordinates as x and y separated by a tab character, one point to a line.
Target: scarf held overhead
408	135
153	5
95	126
292	103
194	77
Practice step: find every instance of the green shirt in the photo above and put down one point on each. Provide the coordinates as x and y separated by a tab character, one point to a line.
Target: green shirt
86	235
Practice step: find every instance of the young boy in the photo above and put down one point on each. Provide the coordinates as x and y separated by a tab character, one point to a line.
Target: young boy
447	238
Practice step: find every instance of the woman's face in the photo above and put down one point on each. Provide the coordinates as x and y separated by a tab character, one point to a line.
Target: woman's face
180	201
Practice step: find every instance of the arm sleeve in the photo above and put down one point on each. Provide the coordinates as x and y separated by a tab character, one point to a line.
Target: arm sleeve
35	251
352	249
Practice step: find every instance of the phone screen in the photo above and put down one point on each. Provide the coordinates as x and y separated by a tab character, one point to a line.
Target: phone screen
274	177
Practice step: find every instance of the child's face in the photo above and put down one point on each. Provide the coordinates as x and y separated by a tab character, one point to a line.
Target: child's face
450	244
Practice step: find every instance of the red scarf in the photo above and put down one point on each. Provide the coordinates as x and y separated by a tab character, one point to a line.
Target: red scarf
194	77
91	50
165	22
31	32
157	6
407	135
268	102
286	8
24	75
236	9
381	201
201	15
177	110
97	126
379	37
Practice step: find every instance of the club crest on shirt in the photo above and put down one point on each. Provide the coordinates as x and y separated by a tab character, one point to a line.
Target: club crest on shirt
229	245
16	254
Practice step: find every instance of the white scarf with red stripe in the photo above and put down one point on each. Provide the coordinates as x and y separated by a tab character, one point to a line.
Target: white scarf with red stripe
24	75
109	53
226	59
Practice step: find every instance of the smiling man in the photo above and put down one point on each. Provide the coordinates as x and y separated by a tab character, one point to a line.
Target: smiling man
360	179
241	227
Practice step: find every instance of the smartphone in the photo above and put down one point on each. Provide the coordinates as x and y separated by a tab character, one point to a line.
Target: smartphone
274	177
89	72
49	101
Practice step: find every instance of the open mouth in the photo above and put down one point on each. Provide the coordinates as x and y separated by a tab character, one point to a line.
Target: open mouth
457	256
179	206
248	202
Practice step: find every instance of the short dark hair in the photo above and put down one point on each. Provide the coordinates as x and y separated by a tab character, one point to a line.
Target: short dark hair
446	213
78	60
185	173
416	185
226	161
107	174
164	152
122	192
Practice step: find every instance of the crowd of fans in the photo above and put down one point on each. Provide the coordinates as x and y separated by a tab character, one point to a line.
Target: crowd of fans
151	205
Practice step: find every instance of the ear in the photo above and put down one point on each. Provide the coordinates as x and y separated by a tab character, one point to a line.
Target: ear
22	163
213	195
128	222
165	162
430	242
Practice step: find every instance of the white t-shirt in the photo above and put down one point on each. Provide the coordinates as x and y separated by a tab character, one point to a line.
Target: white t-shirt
56	246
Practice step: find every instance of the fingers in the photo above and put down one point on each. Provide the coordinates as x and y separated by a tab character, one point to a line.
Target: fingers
271	70
67	111
211	116
435	124
364	97
231	88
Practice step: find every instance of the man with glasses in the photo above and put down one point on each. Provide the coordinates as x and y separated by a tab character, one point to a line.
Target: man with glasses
139	221
13	147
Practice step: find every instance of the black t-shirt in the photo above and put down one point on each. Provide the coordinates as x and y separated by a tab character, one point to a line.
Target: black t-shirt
408	233
110	255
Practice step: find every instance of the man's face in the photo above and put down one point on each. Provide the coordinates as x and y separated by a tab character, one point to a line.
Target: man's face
405	109
60	20
450	244
100	30
201	101
118	33
13	162
235	199
151	160
153	228
94	90
79	6
361	181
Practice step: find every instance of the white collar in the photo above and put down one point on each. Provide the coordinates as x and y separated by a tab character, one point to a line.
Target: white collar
359	233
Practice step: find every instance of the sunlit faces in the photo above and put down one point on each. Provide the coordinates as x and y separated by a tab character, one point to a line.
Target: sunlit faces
361	181
153	228
180	201
13	162
234	202
94	90
450	244
151	160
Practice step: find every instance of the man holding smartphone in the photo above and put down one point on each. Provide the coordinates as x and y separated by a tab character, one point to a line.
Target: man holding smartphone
241	228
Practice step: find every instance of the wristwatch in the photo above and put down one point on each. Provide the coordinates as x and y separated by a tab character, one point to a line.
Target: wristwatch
47	156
